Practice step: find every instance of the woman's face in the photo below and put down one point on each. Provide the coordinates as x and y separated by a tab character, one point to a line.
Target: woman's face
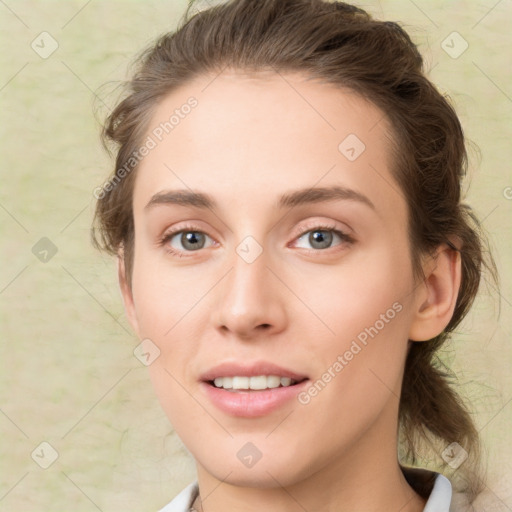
291	262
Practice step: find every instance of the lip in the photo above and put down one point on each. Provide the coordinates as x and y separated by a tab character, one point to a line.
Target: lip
254	403
251	404
232	369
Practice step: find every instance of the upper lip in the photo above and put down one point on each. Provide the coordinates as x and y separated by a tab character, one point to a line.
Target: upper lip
233	369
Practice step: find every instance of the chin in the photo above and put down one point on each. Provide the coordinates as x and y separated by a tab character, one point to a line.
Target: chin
262	478
278	471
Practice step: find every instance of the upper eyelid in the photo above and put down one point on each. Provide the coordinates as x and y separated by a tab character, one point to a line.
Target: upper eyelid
320	226
311	226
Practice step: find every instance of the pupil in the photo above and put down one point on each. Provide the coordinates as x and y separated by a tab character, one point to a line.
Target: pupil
192	239
324	238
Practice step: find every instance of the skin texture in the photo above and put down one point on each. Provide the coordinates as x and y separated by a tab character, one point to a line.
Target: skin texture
249	140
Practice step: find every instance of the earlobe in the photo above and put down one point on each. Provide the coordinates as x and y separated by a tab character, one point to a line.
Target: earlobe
437	295
126	293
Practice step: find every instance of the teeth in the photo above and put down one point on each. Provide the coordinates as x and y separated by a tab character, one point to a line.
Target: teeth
240	382
257	383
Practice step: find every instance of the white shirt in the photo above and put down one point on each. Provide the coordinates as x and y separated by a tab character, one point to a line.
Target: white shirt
439	500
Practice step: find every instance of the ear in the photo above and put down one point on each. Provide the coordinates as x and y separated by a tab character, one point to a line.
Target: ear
437	295
126	293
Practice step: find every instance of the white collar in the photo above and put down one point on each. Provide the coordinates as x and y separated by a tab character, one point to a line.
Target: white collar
184	500
441	496
439	500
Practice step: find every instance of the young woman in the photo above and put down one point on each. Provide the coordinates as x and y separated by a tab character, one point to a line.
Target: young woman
293	251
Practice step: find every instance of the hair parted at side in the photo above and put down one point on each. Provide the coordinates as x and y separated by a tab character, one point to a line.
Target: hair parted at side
342	45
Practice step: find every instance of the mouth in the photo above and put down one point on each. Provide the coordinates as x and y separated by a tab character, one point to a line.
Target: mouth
251	389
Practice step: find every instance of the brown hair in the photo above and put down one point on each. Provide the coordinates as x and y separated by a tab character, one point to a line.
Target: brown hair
342	45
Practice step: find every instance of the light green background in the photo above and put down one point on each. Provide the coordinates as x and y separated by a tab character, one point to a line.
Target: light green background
68	374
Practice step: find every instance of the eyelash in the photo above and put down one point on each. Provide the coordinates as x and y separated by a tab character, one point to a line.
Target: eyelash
164	241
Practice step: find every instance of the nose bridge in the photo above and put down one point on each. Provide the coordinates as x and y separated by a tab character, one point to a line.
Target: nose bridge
248	298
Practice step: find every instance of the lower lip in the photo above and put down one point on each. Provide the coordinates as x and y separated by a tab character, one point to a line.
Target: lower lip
250	404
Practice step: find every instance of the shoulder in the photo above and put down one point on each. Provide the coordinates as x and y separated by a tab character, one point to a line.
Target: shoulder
486	501
184	500
441	496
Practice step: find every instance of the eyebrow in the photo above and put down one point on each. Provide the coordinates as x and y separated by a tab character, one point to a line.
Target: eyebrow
292	199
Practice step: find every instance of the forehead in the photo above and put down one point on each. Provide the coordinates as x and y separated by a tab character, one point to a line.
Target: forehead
248	135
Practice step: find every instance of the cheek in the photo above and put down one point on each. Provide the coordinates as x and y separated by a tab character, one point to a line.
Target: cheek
361	355
173	309
359	294
164	296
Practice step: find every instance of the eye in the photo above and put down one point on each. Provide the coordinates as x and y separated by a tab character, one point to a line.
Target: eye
183	240
321	237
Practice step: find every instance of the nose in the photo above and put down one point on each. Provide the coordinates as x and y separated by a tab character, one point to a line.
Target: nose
250	299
